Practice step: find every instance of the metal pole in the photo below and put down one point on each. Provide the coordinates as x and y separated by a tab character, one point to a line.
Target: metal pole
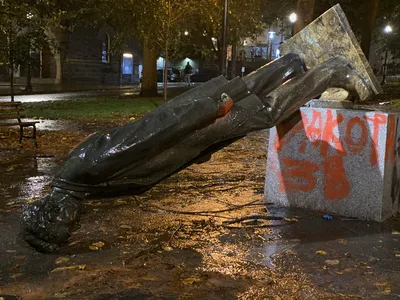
224	34
385	67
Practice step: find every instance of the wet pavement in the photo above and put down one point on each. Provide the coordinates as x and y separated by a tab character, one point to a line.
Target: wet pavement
173	242
50	93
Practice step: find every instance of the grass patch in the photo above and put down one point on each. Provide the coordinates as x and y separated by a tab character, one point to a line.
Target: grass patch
92	108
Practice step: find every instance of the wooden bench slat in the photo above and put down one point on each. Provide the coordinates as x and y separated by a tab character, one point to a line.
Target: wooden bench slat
5	117
9	102
19	124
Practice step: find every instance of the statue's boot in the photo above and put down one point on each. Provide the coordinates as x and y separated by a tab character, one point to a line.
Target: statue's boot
48	223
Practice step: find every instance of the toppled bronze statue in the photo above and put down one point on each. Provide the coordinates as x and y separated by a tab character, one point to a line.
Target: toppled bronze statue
187	129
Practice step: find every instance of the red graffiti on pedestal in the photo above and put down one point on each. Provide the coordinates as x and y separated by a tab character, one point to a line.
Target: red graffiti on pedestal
299	175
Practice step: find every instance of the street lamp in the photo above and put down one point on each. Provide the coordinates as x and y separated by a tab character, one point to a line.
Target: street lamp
224	34
388	29
293	19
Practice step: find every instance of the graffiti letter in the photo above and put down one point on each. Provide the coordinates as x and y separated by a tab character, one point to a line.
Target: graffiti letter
281	142
328	135
314	129
297	176
377	120
356	147
336	184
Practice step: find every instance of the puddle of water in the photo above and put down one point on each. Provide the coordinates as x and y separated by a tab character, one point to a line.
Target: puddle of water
25	180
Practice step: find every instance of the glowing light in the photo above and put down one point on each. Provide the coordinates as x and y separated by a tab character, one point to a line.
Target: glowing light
29	15
127	55
278	53
293	17
186	32
388	29
271	34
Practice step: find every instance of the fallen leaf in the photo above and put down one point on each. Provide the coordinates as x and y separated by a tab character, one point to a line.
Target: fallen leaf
321	252
190	280
10	169
394	232
125	227
342	241
96	246
16	275
291	219
75	267
60	295
332	262
73	243
11	251
387	291
149	278
383	283
30	201
167	248
62	260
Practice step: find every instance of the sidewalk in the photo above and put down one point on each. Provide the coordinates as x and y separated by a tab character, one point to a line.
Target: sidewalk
50	88
19	89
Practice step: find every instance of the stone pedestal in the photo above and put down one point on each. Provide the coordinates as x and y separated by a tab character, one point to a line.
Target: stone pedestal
337	161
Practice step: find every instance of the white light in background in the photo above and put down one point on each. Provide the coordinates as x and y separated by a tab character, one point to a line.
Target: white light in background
186	32
278	53
388	29
293	17
127	55
271	34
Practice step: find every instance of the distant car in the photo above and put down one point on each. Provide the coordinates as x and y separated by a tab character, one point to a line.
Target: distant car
172	75
204	76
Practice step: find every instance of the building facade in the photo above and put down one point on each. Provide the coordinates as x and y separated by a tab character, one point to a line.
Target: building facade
87	59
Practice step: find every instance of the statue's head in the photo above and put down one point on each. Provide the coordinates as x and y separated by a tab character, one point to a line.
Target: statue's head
48	223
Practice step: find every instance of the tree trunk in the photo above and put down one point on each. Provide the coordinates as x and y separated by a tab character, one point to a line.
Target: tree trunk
12	81
28	87
233	63
368	26
166	71
149	80
305	11
60	38
58	59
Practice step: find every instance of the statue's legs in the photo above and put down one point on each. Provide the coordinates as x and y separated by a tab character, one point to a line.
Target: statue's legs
89	169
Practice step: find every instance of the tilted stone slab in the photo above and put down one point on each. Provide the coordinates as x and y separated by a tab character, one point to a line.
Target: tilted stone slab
336	161
328	36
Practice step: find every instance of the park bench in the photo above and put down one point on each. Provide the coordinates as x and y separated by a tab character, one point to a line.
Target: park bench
11	114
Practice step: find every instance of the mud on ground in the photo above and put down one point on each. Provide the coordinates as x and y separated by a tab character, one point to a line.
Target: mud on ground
180	240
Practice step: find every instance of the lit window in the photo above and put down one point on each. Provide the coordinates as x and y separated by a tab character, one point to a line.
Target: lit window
127	64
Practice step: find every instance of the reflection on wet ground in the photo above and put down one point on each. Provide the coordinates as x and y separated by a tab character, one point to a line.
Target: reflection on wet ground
25	180
172	242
